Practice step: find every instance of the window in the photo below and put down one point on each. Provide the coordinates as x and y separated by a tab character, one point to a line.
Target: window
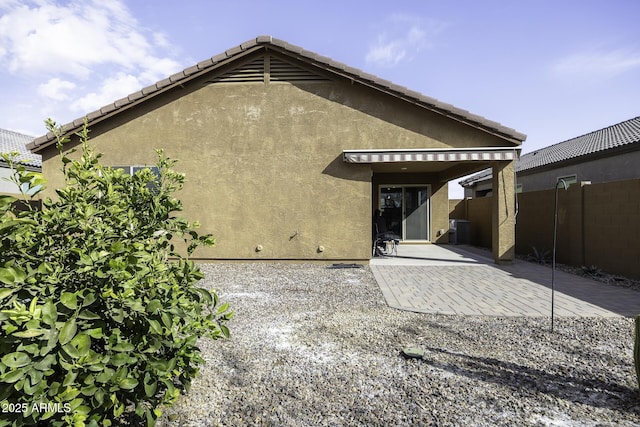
132	170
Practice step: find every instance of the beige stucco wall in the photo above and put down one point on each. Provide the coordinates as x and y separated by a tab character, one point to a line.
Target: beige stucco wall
503	218
264	161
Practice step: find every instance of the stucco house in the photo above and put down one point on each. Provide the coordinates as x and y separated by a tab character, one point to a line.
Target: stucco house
289	153
13	141
604	155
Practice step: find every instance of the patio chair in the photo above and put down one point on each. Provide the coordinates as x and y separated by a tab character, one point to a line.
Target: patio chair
386	244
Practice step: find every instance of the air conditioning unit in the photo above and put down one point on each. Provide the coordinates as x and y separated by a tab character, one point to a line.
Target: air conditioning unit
459	231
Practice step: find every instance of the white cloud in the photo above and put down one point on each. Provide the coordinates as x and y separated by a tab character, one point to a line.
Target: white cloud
74	37
56	89
402	39
8	3
600	63
81	46
386	52
111	89
161	40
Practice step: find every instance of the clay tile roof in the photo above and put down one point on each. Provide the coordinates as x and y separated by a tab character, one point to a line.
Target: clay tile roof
304	55
13	141
149	89
618	135
191	70
621	135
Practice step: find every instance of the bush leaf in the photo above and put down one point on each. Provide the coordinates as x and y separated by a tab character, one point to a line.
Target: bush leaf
29	333
67	332
17	359
5	292
69	300
128	383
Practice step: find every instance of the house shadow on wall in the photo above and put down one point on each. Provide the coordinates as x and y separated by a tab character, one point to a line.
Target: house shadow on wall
352	172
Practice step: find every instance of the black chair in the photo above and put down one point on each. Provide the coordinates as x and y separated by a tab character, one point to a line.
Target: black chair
385	243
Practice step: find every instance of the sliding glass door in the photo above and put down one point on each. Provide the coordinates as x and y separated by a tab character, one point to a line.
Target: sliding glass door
405	210
416	201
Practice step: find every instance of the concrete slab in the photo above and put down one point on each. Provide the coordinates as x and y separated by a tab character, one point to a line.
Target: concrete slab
459	280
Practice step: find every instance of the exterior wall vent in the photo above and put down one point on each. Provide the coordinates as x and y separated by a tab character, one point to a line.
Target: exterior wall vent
277	70
252	71
287	72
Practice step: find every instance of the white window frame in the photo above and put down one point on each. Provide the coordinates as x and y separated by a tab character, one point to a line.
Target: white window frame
132	169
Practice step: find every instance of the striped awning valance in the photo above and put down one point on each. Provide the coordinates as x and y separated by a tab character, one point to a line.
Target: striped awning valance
431	155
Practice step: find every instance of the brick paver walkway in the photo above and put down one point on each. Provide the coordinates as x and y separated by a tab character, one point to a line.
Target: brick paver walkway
451	280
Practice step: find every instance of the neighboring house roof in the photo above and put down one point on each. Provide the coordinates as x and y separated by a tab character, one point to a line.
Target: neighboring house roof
624	135
267	42
14	141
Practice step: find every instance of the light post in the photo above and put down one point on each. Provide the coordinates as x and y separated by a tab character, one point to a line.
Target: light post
553	259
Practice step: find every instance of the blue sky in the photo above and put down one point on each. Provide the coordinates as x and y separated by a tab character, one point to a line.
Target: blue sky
550	69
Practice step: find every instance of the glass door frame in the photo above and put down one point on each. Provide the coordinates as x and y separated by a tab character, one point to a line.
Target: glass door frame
403	207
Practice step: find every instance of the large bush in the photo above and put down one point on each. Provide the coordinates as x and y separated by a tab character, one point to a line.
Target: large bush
99	312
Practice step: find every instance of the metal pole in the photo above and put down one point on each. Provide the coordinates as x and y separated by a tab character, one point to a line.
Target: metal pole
553	259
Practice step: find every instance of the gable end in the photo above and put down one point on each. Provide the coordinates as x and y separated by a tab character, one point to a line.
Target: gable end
264	60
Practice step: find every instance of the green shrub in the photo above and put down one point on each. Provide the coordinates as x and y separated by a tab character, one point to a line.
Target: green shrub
541	256
99	312
592	271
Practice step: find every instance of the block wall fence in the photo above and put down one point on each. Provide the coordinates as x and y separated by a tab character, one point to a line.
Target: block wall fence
598	224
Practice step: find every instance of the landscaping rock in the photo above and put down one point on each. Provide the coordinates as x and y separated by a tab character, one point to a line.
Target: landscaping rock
318	346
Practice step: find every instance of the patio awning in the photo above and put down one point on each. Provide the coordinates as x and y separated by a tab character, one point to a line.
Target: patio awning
431	155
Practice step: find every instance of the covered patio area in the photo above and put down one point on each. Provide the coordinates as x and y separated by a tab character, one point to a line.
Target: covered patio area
410	191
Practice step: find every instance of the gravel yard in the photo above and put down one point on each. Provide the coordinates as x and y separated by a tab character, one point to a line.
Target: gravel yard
318	346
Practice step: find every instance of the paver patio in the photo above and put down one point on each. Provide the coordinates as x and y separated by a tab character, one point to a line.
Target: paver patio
451	279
